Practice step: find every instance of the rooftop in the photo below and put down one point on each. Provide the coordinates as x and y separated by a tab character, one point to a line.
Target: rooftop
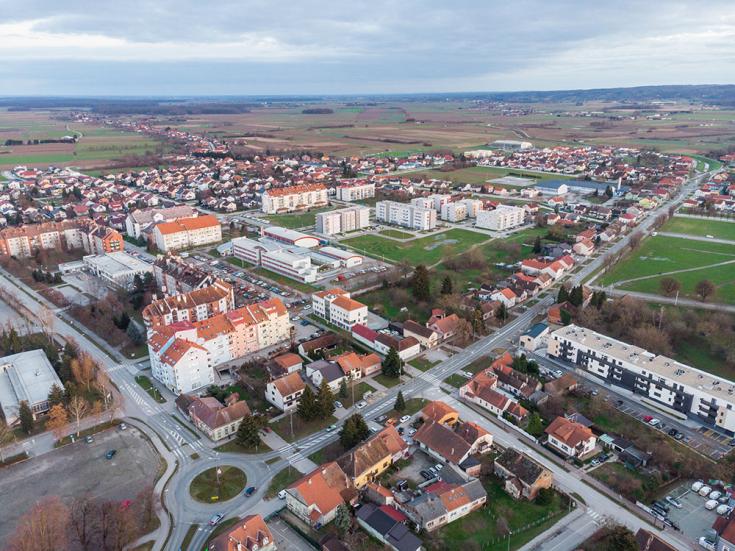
26	376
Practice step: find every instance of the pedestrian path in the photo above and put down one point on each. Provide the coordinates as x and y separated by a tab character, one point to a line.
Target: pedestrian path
291	453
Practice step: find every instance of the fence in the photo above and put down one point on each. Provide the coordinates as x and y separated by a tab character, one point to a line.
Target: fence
488	545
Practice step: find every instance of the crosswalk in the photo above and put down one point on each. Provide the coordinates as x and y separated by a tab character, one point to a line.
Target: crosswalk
598	518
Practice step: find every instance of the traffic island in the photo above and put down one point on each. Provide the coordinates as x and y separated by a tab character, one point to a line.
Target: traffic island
217	484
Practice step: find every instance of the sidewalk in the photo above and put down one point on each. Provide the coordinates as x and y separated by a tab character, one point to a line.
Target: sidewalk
289	452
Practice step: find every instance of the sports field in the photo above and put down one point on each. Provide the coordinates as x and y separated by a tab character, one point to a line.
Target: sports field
700	228
425	250
685	260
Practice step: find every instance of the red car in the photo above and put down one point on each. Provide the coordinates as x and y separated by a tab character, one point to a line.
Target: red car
647	418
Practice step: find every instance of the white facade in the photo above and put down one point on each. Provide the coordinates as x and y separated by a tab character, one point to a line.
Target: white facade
502	218
189	235
406	215
182	366
338	308
343	220
294	198
118	268
454	212
276	258
356	192
474	206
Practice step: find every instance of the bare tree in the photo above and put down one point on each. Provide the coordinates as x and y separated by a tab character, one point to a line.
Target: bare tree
83	370
57	420
705	289
78	407
635	241
670	286
43	528
84	515
6	436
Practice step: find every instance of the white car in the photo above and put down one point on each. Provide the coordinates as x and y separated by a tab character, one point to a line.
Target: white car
673	501
706	544
361	404
697	485
723	509
715	495
704	491
282	494
405	418
711	504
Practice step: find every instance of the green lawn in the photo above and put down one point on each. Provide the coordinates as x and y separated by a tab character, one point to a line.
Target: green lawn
301	428
205	488
700	228
234	447
386	381
456	380
146	384
426	250
665	254
359	388
481	529
296	220
695	352
480	174
397	234
281	480
413	405
422	364
629	483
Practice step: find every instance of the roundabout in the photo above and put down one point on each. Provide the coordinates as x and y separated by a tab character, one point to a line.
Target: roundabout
217	484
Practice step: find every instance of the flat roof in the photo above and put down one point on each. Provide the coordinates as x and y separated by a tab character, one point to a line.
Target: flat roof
286	233
338	253
27	376
118	262
651	363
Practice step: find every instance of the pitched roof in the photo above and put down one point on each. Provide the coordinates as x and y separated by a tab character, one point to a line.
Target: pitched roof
292	190
213	414
347	303
289	384
188	224
249	534
417	329
568	431
443	440
325	488
447	324
437	410
350	361
522	466
287	360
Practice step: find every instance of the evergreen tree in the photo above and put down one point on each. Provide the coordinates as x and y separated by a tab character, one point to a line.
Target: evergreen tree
308	408
609	192
343	389
537	245
134	333
576	297
392	364
447	286
420	284
342	519
566	317
354	431
502	312
535	425
325	400
26	417
248	433
563	295
56	395
400	404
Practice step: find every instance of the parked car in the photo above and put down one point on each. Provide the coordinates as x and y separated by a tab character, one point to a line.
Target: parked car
697	486
715	495
282	494
361	404
654	422
337	404
675	502
426	474
711	504
411	431
438	467
89	439
110	454
723	509
660	504
215	519
647	418
679	436
250	490
123	426
704	491
405	418
673	432
704	542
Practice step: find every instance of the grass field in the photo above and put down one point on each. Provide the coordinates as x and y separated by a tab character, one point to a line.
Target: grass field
206	488
296	220
700	228
301	428
426	250
477	175
281	480
659	255
397	234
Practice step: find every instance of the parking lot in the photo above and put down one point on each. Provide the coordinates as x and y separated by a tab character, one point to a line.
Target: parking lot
693	519
419	461
76	470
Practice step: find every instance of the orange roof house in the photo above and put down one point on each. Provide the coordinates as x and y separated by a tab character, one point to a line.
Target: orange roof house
249	534
315	497
439	412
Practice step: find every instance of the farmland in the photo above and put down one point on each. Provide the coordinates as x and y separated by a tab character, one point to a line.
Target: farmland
478	175
96	146
700	228
663	256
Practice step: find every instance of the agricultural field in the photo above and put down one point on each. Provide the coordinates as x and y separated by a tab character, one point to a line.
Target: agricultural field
478	175
688	261
700	228
96	146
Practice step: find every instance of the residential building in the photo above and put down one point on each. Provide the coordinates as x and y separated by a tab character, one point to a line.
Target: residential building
357	366
662	381
368	460
523	476
343	220
249	534
427	337
118	268
104	240
473	206
288	363
504	217
215	420
388	526
445	326
336	306
382	342
185	233
570	438
26	377
585	247
356	192
724	529
406	215
289	199
315	497
481	390
454	212
79	233
285	392
141	221
454	446
196	305
174	276
325	370
444	502
439	412
534	336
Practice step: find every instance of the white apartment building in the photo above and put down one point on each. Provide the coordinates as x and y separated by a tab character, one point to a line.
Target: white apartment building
671	385
140	220
194	369
504	217
288	199
187	232
454	212
343	220
336	306
356	192
275	257
474	206
285	392
406	215
439	200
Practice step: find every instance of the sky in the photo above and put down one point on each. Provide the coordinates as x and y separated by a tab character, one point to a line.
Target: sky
257	47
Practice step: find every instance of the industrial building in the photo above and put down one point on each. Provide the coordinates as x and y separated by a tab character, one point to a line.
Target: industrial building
290	237
118	268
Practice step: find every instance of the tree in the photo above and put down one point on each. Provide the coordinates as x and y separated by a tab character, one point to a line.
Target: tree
635	241
248	433
343	389
420	284
308	408
6	436
447	286
343	520
563	295
545	496
576	297
609	192
354	431
57	420
83	370
705	289
669	286
325	400
621	539
56	395
502	312
83	519
44	527
537	245
535	425
392	364
566	317
134	334
26	417
78	408
400	404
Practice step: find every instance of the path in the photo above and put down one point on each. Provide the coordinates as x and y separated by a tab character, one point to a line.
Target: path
660	274
700	217
697	238
668	300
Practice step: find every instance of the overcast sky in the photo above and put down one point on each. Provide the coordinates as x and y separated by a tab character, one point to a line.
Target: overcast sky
187	47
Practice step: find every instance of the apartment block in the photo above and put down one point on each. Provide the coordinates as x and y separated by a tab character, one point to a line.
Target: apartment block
187	232
79	233
504	217
406	215
343	220
196	305
142	221
336	306
454	212
356	192
288	199
670	385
